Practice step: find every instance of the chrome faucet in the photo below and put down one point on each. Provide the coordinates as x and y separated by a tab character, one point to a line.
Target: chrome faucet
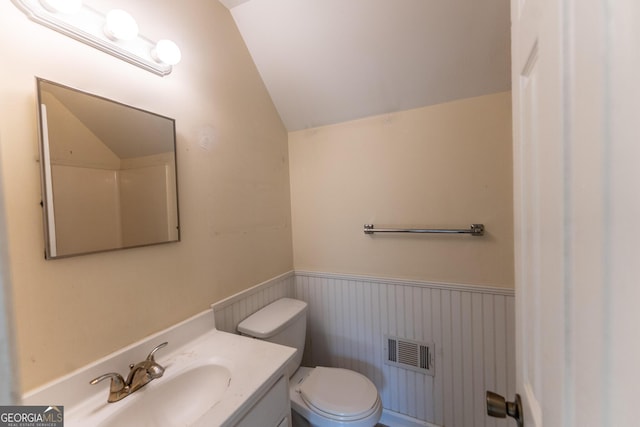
139	375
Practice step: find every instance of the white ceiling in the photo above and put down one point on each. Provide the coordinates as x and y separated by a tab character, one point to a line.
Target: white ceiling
328	61
127	131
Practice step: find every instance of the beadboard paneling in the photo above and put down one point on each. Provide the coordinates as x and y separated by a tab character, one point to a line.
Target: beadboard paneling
471	327
231	311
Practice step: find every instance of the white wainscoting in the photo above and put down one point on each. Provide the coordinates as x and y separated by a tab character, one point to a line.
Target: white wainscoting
231	311
472	328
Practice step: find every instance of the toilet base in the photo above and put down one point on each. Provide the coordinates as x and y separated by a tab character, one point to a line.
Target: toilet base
298	420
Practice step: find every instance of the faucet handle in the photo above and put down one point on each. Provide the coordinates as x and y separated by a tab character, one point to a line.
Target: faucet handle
118	389
158	347
117	382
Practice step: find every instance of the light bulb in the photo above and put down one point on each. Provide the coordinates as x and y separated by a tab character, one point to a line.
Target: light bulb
120	25
166	52
62	6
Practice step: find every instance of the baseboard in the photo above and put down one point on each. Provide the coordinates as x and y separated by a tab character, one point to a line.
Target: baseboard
395	419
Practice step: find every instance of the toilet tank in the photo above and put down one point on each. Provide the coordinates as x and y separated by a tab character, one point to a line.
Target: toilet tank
282	322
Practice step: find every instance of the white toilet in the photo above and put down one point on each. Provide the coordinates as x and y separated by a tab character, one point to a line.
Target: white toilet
322	397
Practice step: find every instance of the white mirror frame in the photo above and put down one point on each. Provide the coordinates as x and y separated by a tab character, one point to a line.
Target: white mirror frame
87	26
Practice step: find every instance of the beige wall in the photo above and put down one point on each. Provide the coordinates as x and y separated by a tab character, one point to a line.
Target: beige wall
232	176
143	205
447	165
87	209
139	170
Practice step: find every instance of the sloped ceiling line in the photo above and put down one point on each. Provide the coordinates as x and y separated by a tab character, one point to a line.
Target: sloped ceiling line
329	61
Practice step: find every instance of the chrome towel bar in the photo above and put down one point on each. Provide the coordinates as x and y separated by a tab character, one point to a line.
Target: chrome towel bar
474	230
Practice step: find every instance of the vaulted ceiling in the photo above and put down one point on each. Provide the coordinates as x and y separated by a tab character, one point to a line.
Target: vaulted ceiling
329	61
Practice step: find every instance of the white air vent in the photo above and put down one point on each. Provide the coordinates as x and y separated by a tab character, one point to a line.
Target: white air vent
409	354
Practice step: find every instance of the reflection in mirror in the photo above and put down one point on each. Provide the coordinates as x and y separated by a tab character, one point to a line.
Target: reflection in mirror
108	173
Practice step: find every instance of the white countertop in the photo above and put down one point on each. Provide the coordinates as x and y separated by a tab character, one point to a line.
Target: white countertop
255	366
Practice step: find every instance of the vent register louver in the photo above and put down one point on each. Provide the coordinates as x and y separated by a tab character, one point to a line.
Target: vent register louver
409	354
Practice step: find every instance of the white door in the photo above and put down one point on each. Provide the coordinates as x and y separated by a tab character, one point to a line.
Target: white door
576	114
9	390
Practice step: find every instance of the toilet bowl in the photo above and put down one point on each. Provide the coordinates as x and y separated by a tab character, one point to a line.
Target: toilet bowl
334	397
321	396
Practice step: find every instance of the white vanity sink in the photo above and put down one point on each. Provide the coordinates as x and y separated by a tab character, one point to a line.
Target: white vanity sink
211	378
176	401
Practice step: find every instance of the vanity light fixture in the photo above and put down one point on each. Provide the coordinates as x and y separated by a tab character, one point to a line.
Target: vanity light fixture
62	6
120	25
166	52
115	33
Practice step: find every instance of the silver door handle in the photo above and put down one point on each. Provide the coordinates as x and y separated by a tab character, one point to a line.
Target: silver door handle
498	407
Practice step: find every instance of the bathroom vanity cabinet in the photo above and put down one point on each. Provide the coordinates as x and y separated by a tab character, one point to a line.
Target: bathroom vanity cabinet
212	378
272	409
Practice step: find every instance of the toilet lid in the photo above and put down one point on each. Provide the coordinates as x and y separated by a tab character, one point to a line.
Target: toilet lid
339	392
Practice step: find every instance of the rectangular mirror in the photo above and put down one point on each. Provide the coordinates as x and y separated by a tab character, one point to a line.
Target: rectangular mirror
108	173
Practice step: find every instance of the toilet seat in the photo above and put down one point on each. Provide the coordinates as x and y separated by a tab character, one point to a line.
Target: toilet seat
339	394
